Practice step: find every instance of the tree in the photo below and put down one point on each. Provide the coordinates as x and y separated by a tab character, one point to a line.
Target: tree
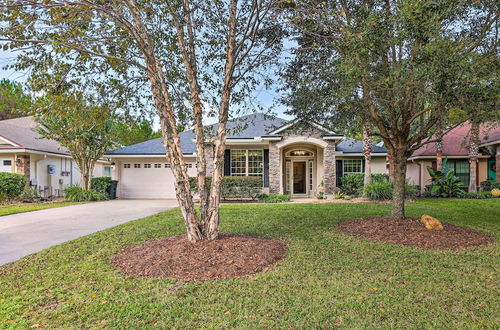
367	152
80	126
188	52
128	131
402	59
14	102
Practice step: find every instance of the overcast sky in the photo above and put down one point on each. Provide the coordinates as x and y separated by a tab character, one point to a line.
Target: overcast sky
263	97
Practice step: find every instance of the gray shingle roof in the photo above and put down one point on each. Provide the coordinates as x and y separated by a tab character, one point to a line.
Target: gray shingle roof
349	146
246	127
21	131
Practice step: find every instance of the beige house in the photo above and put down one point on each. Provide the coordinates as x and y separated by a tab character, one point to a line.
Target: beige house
456	152
290	159
46	165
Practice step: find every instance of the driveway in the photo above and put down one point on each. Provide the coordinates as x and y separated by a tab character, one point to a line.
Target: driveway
25	233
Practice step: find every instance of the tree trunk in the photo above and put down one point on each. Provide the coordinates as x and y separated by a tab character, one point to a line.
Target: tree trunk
367	151
390	159
439	149
399	181
473	152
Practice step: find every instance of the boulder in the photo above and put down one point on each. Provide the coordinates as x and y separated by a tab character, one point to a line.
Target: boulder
431	223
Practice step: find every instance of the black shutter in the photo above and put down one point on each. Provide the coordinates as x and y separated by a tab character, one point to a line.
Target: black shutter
266	168
339	169
363	166
227	162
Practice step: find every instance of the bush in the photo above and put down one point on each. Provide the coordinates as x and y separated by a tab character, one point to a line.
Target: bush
101	184
11	185
489	185
380	177
352	184
444	184
382	190
478	195
274	198
77	194
30	195
237	187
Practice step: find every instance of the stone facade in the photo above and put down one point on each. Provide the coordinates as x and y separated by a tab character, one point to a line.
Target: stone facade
497	163
329	168
274	168
23	166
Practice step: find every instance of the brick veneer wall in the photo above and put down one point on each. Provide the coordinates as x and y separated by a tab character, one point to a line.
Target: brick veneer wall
329	168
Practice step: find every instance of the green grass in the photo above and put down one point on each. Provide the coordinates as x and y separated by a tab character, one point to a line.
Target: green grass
28	207
327	280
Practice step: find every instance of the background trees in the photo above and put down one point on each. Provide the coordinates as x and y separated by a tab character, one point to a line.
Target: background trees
399	63
171	57
14	101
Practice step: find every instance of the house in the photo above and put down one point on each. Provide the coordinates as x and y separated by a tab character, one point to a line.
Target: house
290	158
46	165
456	151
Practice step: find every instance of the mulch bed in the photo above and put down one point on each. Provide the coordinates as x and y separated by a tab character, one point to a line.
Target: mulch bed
411	232
175	257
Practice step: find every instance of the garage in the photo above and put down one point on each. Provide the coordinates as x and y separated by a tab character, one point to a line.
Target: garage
148	180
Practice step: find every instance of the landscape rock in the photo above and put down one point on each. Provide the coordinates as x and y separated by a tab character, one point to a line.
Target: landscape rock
431	223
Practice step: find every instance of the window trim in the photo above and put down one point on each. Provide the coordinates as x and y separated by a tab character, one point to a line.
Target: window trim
246	162
344	172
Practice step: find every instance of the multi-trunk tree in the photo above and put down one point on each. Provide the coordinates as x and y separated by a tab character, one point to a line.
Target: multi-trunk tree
401	59
180	54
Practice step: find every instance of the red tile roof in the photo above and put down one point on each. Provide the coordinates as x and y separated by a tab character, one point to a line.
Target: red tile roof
456	141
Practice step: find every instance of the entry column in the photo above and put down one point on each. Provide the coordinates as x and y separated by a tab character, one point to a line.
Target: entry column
329	167
274	169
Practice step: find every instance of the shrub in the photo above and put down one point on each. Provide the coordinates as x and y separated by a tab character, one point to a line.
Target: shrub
274	198
382	190
101	184
30	195
445	184
478	195
237	187
11	184
489	185
352	184
77	194
380	177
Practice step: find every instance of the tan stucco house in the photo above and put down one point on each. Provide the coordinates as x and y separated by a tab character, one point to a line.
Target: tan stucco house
46	165
291	159
455	150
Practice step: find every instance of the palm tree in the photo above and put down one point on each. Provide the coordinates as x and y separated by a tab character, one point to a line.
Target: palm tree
473	152
367	151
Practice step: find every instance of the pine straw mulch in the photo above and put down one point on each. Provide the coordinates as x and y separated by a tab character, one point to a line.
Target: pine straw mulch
411	232
230	256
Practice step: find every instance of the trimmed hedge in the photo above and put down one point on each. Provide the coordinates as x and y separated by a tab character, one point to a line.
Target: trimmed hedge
11	185
478	195
235	187
101	184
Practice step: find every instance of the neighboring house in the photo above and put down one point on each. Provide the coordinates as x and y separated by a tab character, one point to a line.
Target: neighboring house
45	163
289	158
456	151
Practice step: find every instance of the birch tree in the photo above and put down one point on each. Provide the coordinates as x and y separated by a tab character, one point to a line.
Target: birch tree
180	54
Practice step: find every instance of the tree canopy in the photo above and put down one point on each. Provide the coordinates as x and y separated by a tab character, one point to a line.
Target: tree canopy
14	101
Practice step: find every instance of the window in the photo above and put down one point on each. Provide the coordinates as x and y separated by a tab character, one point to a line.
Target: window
247	162
126	165
310	175
167	165
7	163
137	165
461	169
300	153
353	166
147	165
189	165
157	165
107	171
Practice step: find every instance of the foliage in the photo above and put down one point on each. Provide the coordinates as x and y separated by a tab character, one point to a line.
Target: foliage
478	195
489	185
383	190
127	131
30	195
380	177
101	184
274	198
3	197
78	194
352	184
445	183
234	187
14	102
11	184
82	125
323	269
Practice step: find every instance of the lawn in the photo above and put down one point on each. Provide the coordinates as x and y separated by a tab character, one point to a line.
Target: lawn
328	279
28	207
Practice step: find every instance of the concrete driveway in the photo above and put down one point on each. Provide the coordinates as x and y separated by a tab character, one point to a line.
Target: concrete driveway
25	233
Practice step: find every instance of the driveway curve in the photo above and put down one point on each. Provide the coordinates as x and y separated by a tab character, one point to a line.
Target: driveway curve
25	233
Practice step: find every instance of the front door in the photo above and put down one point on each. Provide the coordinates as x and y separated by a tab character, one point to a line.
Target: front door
299	177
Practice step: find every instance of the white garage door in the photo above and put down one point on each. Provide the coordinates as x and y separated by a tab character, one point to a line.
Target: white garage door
140	180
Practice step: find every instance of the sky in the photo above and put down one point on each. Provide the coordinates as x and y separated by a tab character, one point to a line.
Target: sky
263	97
